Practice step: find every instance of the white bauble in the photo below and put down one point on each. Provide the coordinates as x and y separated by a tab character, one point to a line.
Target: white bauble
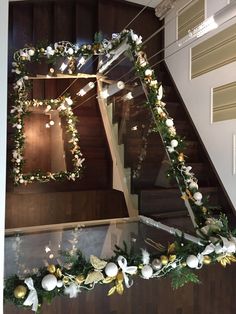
174	143
197	196
49	282
70	51
193	185
31	52
156	264
111	269
19	126
148	72
59	283
169	123
192	261
147	271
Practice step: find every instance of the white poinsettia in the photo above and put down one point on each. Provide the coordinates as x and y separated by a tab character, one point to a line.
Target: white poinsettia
135	38
145	257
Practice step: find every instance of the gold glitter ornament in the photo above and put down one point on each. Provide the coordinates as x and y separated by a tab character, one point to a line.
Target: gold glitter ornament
65	280
20	292
206	260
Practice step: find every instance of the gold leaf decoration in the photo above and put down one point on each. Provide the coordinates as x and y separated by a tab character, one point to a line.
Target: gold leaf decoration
97	263
108	280
226	259
94	277
111	291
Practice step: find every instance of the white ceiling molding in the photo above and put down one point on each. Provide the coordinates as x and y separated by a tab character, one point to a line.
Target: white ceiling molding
163	8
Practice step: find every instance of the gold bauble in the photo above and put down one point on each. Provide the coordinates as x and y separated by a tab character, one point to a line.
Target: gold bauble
80	279
206	260
51	269
164	260
172	258
65	280
181	157
204	210
20	292
162	114
184	264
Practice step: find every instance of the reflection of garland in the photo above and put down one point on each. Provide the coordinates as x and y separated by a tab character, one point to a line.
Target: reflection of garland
218	244
18	112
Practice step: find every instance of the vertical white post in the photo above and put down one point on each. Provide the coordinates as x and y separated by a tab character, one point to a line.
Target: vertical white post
3	130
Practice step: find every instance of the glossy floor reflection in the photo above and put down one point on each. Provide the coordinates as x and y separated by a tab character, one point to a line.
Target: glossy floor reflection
215	295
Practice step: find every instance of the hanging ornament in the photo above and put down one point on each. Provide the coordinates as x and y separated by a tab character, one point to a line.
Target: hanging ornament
197	196
20	292
147	271
164	260
111	269
49	282
156	264
192	261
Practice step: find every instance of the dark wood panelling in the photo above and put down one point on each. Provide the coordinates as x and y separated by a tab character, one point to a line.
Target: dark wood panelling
64	21
42	22
59	207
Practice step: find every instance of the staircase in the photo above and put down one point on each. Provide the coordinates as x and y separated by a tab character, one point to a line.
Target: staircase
159	197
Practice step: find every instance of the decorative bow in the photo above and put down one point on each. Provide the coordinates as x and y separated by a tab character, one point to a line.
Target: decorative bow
32	298
131	270
225	251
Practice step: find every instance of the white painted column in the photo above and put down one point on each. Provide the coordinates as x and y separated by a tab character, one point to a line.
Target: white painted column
3	130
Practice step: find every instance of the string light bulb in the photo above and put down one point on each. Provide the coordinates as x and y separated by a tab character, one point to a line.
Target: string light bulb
86	89
112	89
81	62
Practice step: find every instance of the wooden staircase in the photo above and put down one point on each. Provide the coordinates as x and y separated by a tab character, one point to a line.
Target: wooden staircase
158	196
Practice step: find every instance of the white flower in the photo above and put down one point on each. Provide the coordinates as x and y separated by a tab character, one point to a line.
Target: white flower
170	149
153	83
69	101
49	51
17	71
172	131
145	257
137	39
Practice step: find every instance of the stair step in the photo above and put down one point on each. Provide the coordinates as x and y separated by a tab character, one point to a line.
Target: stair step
154	174
169	200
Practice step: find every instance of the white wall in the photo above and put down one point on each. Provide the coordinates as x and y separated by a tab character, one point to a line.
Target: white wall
196	93
3	102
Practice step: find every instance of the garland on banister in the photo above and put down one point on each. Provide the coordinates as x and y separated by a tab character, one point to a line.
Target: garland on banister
180	259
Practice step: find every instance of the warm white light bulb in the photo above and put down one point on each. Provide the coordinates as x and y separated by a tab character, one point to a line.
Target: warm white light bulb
63	67
51	122
47	126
